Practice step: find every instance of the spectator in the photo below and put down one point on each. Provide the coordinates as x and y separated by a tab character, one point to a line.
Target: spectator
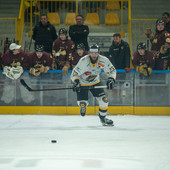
166	19
158	41
143	60
79	32
62	51
44	34
119	53
40	61
14	61
79	53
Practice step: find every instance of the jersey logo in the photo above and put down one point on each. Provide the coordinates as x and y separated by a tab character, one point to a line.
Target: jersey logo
87	73
100	64
91	78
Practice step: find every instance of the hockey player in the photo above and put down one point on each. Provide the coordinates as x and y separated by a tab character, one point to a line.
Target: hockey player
62	51
143	60
15	61
79	53
158	41
40	61
87	73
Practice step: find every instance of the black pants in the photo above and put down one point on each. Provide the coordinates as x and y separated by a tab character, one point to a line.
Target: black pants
83	94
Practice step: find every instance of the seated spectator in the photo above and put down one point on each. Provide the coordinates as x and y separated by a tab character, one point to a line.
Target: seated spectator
40	61
143	60
166	19
79	32
44	34
63	49
119	53
158	41
79	53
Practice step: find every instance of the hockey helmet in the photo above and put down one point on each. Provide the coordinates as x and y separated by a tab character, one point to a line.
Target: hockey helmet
141	46
160	21
94	48
63	31
39	48
80	46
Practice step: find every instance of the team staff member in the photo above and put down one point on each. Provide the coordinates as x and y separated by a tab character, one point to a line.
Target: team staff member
119	53
143	60
44	34
62	51
40	61
79	32
87	73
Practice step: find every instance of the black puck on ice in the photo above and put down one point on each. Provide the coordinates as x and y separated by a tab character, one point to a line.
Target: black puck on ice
53	141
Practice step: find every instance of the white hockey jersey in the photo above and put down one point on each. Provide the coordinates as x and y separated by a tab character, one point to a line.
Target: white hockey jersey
89	74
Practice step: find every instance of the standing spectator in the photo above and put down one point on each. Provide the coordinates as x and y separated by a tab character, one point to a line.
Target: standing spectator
44	34
79	32
166	19
62	51
158	41
40	61
15	61
143	60
79	53
119	53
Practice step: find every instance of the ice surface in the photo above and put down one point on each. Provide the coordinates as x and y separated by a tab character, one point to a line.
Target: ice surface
134	143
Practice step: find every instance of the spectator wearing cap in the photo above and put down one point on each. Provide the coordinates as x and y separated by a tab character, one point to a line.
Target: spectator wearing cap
79	53
44	34
143	60
119	53
79	32
63	49
166	19
15	56
40	61
160	42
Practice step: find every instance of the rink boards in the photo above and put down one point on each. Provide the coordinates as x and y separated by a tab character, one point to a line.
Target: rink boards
133	94
69	110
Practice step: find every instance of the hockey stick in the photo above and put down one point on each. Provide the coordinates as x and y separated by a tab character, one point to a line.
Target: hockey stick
65	88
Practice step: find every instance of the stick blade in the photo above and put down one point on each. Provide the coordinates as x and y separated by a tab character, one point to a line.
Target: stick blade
25	85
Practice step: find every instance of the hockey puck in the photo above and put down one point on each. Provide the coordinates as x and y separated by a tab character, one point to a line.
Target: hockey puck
53	141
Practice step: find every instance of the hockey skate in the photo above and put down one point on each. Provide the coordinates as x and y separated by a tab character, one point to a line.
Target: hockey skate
105	121
82	108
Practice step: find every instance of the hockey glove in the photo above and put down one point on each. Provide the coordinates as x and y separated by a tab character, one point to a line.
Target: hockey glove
7	70
65	69
148	33
35	72
46	69
17	71
76	85
110	83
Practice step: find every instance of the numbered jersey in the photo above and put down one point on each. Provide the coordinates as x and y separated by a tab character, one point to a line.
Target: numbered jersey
89	74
